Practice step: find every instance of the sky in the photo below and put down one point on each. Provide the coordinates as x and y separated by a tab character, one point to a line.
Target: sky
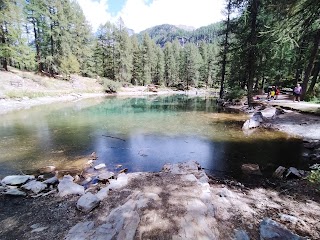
142	14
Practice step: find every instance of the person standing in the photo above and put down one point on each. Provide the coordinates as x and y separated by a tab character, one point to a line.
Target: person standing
297	93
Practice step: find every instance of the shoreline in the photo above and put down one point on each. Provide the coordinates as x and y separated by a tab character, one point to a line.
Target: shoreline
11	105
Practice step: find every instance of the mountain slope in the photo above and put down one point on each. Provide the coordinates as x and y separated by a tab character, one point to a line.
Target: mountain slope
168	33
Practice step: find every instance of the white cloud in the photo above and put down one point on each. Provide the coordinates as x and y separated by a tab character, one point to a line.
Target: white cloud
140	14
96	12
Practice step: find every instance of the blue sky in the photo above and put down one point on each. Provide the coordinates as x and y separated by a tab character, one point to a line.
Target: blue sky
141	14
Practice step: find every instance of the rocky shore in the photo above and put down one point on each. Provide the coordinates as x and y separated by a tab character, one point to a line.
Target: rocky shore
180	202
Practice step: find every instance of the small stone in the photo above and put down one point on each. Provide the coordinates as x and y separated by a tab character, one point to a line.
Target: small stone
251	169
278	173
34	186
288	218
51	181
100	166
14	192
87	202
123	170
118	166
47	169
40	229
16	179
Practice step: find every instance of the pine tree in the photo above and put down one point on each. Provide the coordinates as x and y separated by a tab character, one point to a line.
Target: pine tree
136	62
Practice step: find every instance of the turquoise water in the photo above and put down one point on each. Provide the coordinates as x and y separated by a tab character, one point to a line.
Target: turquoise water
140	133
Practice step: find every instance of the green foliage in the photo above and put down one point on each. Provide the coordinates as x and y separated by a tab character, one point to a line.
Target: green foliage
315	174
111	86
235	93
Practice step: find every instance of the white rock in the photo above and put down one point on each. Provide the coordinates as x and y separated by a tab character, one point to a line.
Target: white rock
52	180
289	218
293	171
105	176
87	202
100	166
67	187
16	179
15	192
34	186
103	193
121	181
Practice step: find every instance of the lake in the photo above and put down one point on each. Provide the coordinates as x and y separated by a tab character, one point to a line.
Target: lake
140	133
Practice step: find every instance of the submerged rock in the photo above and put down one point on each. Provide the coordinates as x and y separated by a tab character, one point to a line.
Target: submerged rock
16	179
47	169
34	186
87	202
67	187
271	230
181	168
100	166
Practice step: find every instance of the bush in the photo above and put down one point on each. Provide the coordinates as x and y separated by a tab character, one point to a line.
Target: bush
235	93
111	86
315	174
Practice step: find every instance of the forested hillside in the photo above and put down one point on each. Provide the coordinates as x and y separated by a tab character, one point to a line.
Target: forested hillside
168	33
269	42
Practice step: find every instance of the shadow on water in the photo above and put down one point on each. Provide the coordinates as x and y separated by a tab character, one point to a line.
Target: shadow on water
155	130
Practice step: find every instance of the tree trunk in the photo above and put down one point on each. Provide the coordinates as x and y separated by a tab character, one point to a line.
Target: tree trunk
225	51
251	68
37	43
314	79
313	56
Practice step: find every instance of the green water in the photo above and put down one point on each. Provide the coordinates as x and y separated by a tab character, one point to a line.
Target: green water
141	133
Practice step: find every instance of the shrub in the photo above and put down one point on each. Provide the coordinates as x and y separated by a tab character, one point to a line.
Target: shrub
315	174
111	86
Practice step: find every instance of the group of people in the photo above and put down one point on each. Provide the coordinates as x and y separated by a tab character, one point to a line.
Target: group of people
274	92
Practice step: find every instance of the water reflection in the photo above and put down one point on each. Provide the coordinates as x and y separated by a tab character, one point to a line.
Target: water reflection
155	130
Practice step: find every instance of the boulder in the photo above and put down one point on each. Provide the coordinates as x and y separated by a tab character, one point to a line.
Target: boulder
271	230
67	187
82	230
240	234
100	166
16	179
254	122
278	173
87	202
34	186
14	192
249	168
